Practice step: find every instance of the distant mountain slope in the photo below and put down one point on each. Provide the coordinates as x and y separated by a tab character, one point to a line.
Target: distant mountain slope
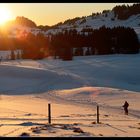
109	18
128	16
98	21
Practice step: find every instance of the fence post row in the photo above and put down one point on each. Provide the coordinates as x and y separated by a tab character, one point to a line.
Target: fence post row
49	113
97	114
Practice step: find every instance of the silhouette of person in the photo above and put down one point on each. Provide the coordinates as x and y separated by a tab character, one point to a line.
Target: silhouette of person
125	106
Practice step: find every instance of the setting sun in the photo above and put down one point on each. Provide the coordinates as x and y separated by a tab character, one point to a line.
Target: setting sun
5	15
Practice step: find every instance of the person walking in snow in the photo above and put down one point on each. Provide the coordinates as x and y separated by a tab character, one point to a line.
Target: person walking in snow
125	106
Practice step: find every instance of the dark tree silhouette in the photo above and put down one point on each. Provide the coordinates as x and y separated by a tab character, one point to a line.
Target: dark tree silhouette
12	55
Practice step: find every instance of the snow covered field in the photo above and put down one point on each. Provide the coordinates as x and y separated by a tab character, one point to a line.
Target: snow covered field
74	88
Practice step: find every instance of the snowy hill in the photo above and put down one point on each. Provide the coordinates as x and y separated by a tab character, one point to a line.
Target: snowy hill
90	21
74	89
99	21
114	71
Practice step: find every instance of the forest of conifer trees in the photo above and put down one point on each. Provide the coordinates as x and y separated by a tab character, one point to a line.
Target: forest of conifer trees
67	44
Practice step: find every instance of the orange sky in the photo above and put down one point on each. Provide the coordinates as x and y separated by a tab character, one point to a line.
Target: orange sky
52	13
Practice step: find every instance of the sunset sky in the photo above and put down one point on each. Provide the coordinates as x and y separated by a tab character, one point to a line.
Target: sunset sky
51	13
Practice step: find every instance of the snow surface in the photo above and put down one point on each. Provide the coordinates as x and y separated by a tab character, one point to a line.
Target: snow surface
74	88
100	20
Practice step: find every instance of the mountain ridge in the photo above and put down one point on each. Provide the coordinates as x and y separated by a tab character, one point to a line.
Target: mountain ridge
109	18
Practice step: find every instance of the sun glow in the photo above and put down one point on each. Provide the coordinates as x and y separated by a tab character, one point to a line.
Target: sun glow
5	15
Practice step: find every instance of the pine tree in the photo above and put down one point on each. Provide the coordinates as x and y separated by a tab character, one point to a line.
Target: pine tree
18	55
12	55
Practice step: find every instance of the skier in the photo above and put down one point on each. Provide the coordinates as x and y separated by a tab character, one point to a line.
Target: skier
125	106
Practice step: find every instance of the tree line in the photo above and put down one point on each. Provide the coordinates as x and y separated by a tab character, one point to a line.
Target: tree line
99	41
125	11
69	43
32	46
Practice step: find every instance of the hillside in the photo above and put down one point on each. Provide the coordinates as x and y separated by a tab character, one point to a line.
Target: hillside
99	21
107	18
115	71
74	89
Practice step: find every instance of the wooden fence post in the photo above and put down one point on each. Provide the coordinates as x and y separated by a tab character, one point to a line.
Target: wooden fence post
97	114
49	113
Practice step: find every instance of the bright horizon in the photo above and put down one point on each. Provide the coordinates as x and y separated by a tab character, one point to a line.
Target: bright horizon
52	13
